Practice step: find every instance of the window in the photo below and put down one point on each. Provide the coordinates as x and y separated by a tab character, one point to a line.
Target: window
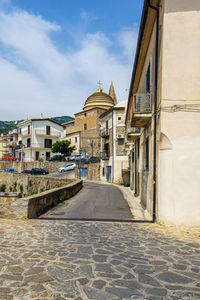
28	142
47	143
75	139
103	171
20	131
119	118
147	154
85	114
148	79
85	126
48	130
29	129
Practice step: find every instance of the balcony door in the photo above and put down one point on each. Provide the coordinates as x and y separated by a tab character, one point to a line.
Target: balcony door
37	155
48	130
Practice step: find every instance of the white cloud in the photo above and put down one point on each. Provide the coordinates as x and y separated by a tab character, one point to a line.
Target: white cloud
36	77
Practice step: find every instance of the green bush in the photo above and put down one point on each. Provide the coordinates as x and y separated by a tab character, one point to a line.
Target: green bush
34	193
15	186
2	187
21	188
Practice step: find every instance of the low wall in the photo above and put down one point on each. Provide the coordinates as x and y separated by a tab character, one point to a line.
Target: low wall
52	167
33	206
27	184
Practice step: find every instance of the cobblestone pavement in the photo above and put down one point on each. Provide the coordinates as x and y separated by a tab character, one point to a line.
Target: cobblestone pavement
98	260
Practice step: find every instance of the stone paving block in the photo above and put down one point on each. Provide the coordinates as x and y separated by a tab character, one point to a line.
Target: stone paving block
174	278
66	260
123	293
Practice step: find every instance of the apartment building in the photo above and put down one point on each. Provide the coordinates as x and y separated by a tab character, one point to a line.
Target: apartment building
36	137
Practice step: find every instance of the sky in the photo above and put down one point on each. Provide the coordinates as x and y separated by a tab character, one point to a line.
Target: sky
53	53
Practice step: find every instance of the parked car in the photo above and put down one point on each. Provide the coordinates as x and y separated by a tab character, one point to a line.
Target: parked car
82	161
39	171
11	170
93	159
57	158
66	168
26	172
74	157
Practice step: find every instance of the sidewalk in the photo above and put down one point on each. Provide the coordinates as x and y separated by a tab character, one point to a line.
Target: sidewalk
138	212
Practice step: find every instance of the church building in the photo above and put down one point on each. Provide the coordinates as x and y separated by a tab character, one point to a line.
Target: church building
84	131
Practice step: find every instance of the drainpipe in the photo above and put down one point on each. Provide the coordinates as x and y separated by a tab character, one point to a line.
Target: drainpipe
112	146
155	109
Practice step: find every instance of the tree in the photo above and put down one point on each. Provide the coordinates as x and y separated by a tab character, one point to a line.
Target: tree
63	147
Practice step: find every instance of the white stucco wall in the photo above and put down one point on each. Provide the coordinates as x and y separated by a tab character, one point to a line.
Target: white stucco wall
179	178
179	157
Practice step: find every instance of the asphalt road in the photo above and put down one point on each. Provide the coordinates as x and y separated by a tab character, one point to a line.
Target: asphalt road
95	202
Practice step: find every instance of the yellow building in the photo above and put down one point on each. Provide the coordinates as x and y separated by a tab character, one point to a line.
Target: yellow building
84	131
163	113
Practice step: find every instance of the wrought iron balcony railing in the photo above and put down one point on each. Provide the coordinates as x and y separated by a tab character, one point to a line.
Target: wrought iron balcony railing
51	133
142	103
105	154
104	132
133	130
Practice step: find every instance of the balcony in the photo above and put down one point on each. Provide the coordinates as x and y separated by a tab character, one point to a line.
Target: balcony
133	133
44	133
105	155
142	109
32	145
104	133
25	133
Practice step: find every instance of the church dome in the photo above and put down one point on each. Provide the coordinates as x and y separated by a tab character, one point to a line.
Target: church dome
99	99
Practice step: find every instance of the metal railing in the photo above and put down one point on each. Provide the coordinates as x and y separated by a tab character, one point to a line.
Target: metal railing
142	102
104	132
105	154
25	133
33	145
133	130
51	133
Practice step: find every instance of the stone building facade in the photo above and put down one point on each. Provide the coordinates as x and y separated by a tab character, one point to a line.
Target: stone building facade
84	131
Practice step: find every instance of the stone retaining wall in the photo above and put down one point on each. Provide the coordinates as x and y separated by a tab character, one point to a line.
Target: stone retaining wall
52	167
33	206
28	184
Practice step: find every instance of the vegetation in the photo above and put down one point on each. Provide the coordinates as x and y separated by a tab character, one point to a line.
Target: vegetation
21	188
6	126
15	186
63	147
2	188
